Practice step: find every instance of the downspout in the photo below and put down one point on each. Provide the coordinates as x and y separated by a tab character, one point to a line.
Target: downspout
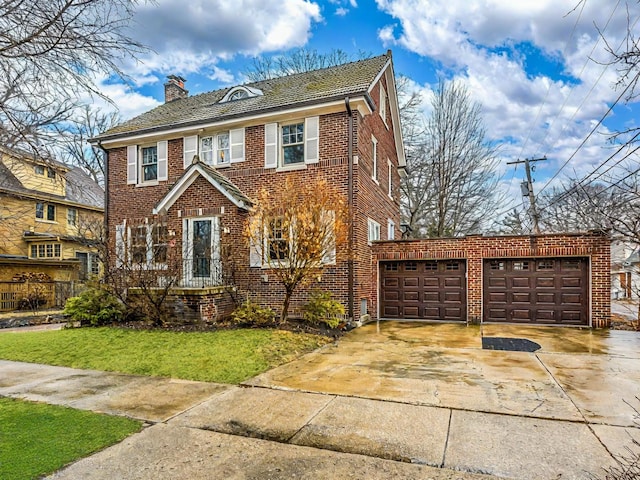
350	274
106	194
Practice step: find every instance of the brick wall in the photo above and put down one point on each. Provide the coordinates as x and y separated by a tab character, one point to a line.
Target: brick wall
371	199
476	248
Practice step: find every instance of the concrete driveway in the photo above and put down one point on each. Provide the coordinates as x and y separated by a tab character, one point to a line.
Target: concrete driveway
394	400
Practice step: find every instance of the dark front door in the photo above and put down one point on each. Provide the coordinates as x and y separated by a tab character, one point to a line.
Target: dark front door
536	291
423	290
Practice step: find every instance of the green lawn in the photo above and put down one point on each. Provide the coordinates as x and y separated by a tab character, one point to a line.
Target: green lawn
37	439
227	356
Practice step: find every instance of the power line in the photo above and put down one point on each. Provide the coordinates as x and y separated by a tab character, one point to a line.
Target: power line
586	138
584	66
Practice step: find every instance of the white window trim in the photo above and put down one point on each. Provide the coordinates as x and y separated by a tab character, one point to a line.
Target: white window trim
390	179
273	148
373	231
262	250
383	105
135	168
149	264
374	159
391	229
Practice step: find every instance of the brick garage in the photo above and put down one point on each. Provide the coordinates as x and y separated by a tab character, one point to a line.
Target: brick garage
589	252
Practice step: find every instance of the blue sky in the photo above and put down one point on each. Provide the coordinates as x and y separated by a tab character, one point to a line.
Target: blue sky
535	66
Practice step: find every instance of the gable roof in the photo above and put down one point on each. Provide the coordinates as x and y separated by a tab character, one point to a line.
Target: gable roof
215	178
297	90
81	189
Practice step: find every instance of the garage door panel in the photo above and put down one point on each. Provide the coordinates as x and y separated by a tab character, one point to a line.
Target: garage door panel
542	290
497	297
410	296
571	298
390	295
431	282
452	313
391	311
542	298
410	311
545	282
390	282
568	282
546	316
521	297
453	297
428	289
431	297
453	282
521	282
497	282
411	282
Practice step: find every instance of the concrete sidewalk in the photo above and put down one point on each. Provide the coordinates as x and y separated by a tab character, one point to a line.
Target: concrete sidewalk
403	401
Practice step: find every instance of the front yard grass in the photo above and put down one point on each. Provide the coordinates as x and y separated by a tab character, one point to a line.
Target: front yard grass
37	439
226	356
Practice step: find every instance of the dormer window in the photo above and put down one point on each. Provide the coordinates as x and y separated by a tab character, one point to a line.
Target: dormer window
239	93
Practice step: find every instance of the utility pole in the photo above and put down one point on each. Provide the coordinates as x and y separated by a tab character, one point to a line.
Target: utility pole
527	189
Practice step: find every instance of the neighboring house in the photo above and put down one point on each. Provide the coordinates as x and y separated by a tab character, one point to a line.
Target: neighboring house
46	209
625	270
181	177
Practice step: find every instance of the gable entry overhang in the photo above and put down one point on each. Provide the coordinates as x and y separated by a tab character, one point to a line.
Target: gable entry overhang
195	170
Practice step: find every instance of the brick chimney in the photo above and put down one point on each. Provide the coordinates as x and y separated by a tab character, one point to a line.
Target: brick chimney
174	89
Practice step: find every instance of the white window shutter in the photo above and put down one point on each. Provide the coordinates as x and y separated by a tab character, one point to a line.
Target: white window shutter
162	160
132	164
329	257
189	150
312	133
236	145
120	248
271	145
255	251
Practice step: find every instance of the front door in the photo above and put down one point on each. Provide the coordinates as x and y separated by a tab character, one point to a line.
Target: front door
202	253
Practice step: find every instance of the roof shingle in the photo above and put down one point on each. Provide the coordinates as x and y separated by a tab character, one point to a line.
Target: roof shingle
292	90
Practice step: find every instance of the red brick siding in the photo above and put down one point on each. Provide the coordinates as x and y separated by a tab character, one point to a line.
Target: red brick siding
476	248
130	201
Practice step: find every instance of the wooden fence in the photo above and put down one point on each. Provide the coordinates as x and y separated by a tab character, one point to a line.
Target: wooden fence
40	295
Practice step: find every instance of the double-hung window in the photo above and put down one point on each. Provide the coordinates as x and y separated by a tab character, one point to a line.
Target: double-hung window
46	211
277	240
291	144
391	229
149	166
72	217
374	158
373	231
214	150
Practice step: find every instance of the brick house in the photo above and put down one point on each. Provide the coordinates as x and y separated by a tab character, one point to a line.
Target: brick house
181	178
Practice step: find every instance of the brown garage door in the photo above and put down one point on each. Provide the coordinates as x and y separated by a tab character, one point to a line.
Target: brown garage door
537	290
424	290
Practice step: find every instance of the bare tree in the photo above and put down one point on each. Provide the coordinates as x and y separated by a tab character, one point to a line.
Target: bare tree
77	151
297	61
51	52
450	187
296	231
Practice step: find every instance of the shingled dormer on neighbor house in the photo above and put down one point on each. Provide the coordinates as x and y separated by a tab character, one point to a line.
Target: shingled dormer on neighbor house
182	176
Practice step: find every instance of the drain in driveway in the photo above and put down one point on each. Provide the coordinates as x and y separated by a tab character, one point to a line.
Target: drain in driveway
511	344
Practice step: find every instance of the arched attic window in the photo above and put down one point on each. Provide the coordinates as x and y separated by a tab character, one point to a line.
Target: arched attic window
238	93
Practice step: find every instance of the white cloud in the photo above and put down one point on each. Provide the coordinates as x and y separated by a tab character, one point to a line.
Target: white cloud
341	11
194	36
534	111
